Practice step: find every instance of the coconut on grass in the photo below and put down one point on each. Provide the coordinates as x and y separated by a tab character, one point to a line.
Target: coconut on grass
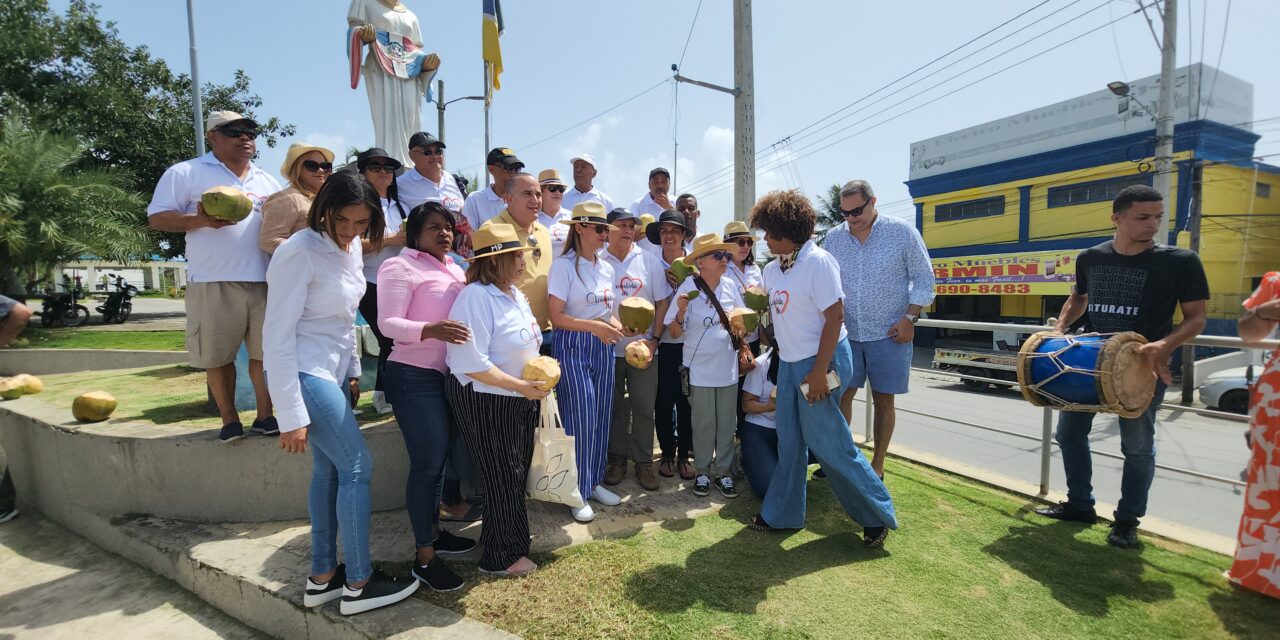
94	406
544	369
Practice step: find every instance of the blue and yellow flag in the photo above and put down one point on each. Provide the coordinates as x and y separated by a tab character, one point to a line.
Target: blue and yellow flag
491	27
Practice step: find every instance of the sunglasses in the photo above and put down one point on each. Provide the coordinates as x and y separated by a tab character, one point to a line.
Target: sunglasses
555	188
856	211
237	132
434	151
745	242
380	168
599	228
720	255
515	169
313	166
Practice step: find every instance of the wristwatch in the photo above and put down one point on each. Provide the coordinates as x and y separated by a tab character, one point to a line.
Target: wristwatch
913	317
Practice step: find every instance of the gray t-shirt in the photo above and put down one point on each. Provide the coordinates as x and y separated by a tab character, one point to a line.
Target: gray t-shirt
6	305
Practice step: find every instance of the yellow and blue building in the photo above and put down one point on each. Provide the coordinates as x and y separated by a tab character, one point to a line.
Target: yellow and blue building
1005	206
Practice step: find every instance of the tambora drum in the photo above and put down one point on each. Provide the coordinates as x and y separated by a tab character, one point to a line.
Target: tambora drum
1088	372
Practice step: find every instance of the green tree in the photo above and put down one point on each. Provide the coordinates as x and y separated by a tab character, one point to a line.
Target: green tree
71	74
52	209
829	215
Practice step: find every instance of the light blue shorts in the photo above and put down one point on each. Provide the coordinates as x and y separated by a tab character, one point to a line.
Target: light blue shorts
886	363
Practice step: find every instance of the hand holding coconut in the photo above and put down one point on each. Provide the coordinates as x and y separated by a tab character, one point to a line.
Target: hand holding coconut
609	330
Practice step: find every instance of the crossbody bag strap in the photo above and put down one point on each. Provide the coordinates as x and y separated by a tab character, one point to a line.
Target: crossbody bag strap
715	302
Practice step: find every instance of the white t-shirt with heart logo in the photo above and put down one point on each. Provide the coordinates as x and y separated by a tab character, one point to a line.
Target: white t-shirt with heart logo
708	350
797	298
585	287
638	274
504	334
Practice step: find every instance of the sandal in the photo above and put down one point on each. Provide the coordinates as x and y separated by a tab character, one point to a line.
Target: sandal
686	470
667	467
757	523
874	537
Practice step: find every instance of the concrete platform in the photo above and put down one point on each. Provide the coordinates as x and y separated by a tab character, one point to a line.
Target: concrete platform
43	362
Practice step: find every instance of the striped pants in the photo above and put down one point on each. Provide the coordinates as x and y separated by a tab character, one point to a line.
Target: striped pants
498	431
585	394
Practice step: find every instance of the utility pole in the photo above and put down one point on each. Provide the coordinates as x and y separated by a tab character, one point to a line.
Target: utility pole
744	118
196	107
440	110
1163	181
1193	230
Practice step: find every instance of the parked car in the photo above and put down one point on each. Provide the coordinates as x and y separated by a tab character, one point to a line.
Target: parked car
1228	390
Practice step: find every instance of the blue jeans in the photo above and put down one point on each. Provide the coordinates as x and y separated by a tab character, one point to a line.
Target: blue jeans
416	395
759	455
821	428
340	471
1137	443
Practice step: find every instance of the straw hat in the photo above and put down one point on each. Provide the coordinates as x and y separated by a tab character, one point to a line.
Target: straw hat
589	212
550	176
492	239
737	229
646	219
702	245
299	149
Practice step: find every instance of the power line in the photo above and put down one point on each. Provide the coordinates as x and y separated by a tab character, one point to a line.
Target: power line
1226	20
690	36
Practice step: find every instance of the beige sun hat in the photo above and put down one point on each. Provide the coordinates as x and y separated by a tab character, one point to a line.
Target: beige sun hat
299	149
492	239
590	212
702	245
737	229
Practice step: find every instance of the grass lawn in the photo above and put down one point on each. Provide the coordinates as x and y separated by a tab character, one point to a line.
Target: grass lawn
37	338
968	562
165	395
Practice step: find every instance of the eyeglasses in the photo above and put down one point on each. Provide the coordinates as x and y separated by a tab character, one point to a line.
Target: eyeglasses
434	151
313	166
720	255
555	188
380	168
515	169
745	242
600	228
856	211
237	132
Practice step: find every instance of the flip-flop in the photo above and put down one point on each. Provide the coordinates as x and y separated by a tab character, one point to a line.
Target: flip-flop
877	540
505	573
687	471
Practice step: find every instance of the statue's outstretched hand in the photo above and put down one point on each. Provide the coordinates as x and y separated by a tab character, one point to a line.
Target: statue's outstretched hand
367	34
431	62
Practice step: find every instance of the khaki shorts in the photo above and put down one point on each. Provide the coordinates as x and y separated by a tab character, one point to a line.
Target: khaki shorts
220	316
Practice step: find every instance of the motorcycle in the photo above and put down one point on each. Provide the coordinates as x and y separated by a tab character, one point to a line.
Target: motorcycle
117	307
61	306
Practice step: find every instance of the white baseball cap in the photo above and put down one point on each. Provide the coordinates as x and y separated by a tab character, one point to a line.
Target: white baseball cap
585	157
221	118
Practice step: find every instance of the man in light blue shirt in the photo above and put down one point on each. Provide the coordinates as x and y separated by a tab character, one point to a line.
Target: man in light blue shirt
887	279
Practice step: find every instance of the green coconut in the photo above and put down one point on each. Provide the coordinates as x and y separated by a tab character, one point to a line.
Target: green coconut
226	203
682	270
11	389
94	406
636	313
743	320
757	299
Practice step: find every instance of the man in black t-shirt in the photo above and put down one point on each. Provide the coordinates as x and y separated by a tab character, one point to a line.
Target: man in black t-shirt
1129	283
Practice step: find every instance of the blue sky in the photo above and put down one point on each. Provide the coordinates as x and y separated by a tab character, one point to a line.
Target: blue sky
568	60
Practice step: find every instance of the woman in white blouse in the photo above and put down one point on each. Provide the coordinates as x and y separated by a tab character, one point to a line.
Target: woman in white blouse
495	410
313	286
379	168
743	268
580	302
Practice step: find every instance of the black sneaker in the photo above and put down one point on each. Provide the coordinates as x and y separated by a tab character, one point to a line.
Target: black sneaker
874	537
317	594
702	486
725	485
231	432
6	516
448	543
266	427
1124	534
1064	511
437	575
381	590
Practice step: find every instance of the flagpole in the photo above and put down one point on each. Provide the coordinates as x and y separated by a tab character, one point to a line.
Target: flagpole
488	98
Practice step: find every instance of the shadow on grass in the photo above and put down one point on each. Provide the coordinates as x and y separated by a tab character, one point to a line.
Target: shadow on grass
735	574
166	373
1246	614
1082	576
177	413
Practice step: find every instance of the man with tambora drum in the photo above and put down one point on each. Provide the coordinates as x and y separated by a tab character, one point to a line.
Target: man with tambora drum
1129	283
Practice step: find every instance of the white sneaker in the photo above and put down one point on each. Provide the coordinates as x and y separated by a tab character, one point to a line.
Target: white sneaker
584	513
605	496
380	403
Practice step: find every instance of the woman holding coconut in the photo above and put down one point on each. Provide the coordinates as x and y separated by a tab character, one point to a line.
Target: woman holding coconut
705	312
580	302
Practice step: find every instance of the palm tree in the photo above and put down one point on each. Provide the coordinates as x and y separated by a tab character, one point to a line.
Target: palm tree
53	210
829	215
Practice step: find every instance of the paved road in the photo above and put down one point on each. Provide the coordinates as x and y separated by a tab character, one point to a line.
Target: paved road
1208	445
57	585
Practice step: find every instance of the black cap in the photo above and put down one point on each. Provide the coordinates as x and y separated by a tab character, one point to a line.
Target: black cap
658	170
362	160
423	139
504	157
621	214
653	231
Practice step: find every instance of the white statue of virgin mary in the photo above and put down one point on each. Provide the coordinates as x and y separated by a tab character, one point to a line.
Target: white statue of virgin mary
397	71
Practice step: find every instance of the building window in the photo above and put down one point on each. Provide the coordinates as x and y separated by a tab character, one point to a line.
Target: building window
1263	190
1096	191
969	209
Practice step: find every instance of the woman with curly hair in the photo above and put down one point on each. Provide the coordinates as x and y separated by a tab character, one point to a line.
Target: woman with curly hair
807	310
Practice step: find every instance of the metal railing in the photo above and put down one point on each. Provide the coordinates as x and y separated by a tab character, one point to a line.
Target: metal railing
1046	432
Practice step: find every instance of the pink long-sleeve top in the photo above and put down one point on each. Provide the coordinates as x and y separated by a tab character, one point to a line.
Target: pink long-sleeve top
415	289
